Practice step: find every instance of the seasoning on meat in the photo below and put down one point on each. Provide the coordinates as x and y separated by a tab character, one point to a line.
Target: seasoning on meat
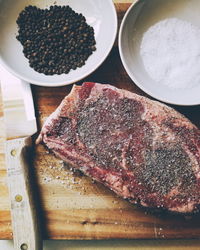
143	150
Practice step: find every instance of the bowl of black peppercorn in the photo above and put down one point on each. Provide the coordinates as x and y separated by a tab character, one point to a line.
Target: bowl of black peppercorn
56	43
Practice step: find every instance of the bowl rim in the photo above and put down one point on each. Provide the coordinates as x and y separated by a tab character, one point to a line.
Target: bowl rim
76	79
131	75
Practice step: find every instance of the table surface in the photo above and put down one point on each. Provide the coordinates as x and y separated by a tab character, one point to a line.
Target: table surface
113	245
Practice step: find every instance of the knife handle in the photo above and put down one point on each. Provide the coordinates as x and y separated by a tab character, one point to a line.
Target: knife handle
25	224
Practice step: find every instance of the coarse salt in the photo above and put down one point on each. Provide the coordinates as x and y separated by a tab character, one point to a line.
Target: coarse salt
170	51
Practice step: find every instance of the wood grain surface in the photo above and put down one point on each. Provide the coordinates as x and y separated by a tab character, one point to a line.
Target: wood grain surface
71	205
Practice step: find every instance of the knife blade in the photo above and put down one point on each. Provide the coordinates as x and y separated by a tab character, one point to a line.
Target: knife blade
20	124
19	115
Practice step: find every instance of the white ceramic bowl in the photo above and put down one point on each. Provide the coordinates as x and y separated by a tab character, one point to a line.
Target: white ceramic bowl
139	17
100	14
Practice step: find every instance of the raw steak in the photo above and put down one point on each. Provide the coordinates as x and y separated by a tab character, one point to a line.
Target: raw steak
143	150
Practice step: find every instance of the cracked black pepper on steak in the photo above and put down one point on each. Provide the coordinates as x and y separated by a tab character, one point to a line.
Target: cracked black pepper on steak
55	40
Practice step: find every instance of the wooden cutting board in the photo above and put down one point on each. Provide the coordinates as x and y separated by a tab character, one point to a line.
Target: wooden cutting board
71	205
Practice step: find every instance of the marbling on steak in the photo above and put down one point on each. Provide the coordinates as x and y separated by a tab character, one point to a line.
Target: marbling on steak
143	150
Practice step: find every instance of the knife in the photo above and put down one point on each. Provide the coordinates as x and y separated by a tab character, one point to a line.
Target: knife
20	124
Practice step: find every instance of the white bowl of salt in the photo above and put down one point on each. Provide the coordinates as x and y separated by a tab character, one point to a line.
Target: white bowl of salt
159	43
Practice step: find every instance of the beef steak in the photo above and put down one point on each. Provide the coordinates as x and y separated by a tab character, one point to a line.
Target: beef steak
141	149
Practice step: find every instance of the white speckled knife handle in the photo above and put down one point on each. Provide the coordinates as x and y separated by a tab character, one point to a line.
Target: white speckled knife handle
24	220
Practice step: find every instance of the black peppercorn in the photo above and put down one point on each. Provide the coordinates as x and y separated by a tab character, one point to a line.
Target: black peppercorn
55	40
